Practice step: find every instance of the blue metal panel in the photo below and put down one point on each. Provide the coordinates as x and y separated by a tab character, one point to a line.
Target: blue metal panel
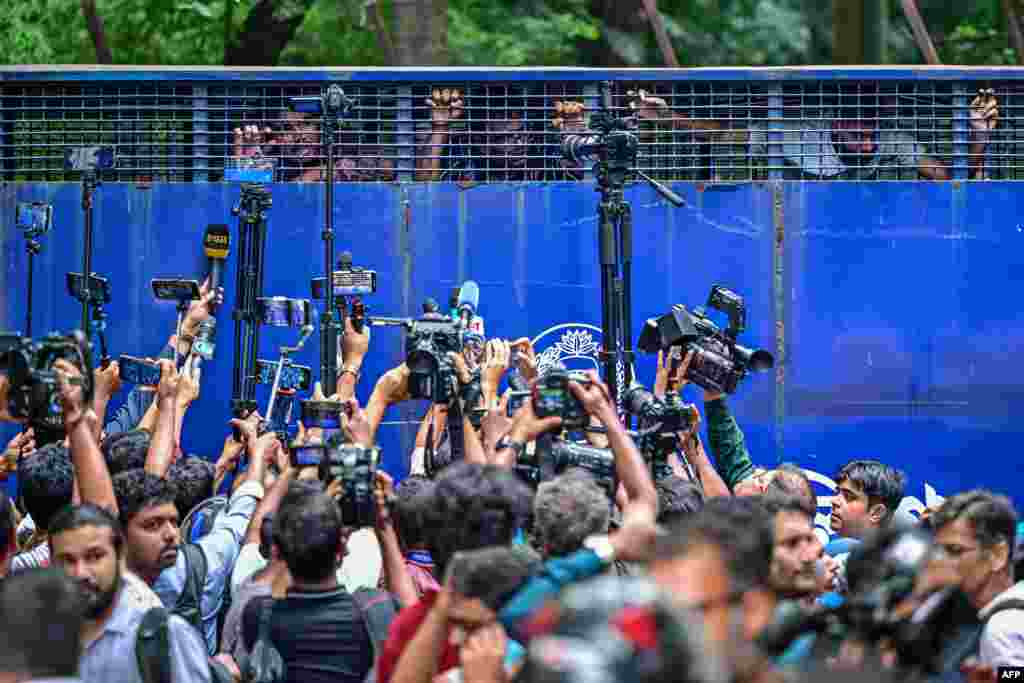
899	314
903	330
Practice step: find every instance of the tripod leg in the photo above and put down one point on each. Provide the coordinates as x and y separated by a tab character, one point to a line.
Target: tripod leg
626	244
28	302
609	312
240	307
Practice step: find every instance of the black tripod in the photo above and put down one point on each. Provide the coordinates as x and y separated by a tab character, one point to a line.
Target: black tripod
332	106
614	147
252	239
32	247
90	181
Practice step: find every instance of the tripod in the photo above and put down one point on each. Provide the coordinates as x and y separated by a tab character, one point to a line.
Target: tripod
252	228
32	247
332	106
614	147
90	181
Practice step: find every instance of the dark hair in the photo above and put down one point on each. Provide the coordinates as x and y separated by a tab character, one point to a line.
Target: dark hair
46	480
137	490
41	614
126	451
72	517
193	483
777	500
474	506
879	482
8	543
992	517
493	574
413	498
678	498
307	531
790	480
738	528
566	510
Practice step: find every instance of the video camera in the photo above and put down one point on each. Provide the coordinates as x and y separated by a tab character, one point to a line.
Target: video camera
428	342
660	420
356	467
719	362
33	390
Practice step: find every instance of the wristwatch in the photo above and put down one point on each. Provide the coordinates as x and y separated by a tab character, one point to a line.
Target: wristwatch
518	447
602	547
351	369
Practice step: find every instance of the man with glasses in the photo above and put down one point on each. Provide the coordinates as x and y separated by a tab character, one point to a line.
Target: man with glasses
976	531
719	563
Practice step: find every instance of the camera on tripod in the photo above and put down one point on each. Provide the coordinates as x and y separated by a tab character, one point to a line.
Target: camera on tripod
719	362
33	389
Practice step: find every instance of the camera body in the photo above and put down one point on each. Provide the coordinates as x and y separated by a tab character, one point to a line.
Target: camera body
33	390
718	362
138	371
432	372
551	397
555	456
356	467
660	419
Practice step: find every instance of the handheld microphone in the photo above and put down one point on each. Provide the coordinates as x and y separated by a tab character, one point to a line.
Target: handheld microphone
469	299
216	246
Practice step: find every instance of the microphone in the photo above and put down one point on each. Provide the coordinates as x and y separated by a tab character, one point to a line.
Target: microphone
469	299
216	246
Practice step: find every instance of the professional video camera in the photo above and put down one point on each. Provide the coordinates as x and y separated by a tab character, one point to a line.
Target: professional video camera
33	390
719	362
932	637
553	456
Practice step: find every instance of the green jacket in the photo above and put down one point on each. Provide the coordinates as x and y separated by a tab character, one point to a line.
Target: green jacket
727	444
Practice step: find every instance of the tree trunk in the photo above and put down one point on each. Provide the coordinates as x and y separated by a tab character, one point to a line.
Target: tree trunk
420	31
268	29
619	15
99	36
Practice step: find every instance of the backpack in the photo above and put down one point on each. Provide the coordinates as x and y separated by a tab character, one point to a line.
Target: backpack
197	524
153	650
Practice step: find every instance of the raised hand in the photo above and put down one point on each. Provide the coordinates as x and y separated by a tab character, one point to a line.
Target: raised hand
568	115
647	107
985	111
199	310
526	358
445	105
249	140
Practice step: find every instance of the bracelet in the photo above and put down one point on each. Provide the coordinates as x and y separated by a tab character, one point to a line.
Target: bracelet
505	442
350	369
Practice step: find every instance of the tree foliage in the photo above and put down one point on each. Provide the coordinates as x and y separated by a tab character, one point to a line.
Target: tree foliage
491	32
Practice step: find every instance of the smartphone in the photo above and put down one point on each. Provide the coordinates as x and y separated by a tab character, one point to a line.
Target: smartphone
308	456
322	414
515	401
175	289
138	371
34	217
99	287
293	377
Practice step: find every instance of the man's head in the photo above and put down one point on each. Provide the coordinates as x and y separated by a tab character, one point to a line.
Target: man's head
505	142
718	562
413	497
677	499
40	626
300	135
855	140
790	480
193	483
474	506
482	581
87	543
126	451
867	496
796	549
46	479
150	521
308	534
566	510
977	532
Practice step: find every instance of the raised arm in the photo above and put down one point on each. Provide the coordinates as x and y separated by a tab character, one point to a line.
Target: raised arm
445	106
161	446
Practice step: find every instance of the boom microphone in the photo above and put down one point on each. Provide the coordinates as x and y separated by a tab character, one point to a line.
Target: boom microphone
469	299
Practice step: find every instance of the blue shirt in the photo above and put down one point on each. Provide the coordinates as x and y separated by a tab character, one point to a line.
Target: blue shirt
220	548
135	405
111	657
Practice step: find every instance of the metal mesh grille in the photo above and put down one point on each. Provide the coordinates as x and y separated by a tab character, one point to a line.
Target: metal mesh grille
728	131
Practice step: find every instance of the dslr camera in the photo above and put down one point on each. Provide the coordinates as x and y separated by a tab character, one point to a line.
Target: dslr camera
33	392
555	456
660	419
551	397
356	467
427	345
719	362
